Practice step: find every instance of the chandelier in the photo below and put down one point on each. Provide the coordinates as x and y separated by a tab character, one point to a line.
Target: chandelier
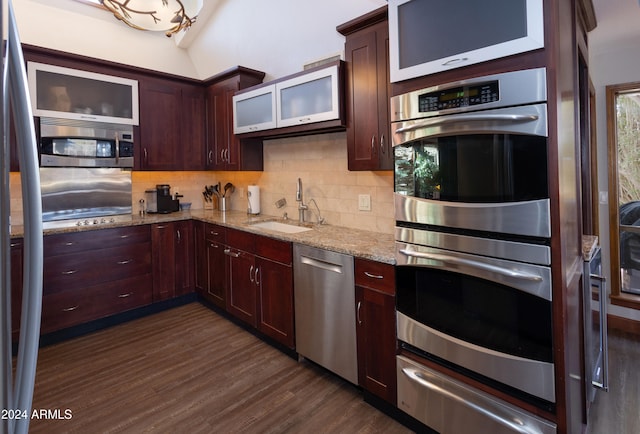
169	16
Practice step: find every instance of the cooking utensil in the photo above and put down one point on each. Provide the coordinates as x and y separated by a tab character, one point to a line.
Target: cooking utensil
228	186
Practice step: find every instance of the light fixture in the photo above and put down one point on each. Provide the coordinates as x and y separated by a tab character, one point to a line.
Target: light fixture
169	16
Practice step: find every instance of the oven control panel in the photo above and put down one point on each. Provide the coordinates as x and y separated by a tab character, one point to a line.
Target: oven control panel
461	96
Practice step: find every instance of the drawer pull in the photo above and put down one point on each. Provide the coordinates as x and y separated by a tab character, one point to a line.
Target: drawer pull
128	294
67	273
215	234
15	244
161	227
124	236
70	243
125	262
71	309
228	252
373	276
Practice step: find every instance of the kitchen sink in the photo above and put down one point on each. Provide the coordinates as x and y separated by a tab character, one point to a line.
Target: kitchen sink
280	227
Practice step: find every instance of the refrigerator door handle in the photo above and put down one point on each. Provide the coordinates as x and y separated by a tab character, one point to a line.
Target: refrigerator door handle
15	82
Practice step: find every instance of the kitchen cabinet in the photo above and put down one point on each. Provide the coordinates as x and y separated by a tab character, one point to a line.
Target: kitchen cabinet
172	259
304	103
368	86
224	150
172	128
211	275
90	275
260	284
17	255
376	328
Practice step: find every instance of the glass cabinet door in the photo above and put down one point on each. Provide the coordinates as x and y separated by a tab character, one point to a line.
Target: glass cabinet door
254	110
74	94
307	98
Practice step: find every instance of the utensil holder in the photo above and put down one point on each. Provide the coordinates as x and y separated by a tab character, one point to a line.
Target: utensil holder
223	204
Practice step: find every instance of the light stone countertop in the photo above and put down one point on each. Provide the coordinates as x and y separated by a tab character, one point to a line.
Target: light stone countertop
363	244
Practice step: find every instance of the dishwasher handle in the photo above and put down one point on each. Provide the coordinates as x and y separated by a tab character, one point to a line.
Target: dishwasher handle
318	263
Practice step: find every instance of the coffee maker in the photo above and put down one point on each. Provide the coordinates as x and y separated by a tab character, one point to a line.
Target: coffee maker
159	200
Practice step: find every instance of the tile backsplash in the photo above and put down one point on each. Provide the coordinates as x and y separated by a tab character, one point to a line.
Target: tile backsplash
319	160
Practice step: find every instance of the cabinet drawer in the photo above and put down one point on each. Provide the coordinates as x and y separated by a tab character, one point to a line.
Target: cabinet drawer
276	250
123	295
65	309
241	240
62	244
375	275
215	233
89	268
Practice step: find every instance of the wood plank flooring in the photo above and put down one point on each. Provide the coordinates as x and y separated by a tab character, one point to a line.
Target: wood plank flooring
618	411
188	370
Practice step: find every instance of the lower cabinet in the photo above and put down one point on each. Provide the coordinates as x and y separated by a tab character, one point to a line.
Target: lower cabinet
210	262
260	284
90	275
376	328
172	258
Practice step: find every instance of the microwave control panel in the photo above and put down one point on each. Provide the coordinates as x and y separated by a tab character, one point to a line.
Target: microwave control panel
456	97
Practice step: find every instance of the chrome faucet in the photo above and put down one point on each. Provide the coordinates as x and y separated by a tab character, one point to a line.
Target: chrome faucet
301	206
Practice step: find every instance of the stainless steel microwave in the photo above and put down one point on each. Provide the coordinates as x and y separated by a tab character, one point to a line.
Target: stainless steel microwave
69	143
429	36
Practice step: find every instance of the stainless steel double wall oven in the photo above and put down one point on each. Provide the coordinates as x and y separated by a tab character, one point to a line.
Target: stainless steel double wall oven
473	248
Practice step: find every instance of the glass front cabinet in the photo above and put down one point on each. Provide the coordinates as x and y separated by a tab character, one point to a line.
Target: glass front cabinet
67	93
304	98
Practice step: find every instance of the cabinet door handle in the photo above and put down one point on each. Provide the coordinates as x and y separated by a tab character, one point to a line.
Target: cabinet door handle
256	277
373	276
382	144
373	143
304	119
69	272
125	262
215	246
145	158
71	309
210	157
222	155
358	313
251	274
128	294
178	235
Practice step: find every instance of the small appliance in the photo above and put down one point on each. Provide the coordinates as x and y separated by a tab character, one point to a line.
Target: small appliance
159	200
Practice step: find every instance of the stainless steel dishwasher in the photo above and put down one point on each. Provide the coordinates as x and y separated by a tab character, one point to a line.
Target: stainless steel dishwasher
325	309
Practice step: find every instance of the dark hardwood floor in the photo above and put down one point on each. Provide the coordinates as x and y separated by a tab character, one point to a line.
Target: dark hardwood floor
618	411
188	370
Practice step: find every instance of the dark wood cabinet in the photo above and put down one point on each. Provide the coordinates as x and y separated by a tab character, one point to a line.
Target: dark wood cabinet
172	257
210	262
274	278
224	151
17	261
160	120
241	288
376	328
192	144
367	92
89	275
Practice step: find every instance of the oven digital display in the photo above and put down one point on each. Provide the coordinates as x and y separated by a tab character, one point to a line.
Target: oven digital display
462	96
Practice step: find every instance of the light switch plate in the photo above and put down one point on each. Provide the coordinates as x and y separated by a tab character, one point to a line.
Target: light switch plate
364	202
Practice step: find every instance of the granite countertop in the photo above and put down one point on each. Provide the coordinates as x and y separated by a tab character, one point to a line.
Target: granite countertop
363	244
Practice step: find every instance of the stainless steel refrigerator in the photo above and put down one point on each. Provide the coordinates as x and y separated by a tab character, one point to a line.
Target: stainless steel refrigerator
17	391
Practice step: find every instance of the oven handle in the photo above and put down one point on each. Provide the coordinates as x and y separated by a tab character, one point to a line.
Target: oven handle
467	118
476	264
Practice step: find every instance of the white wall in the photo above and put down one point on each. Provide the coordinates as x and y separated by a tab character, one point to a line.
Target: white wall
277	36
613	66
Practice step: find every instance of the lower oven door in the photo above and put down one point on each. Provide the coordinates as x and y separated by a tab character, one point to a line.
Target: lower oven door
449	406
490	317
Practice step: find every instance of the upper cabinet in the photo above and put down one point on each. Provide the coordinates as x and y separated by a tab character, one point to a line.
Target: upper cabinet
368	91
224	150
81	95
303	103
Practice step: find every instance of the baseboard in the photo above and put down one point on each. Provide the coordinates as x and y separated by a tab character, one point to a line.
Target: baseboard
620	324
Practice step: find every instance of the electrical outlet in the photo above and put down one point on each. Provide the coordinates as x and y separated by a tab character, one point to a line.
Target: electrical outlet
364	202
